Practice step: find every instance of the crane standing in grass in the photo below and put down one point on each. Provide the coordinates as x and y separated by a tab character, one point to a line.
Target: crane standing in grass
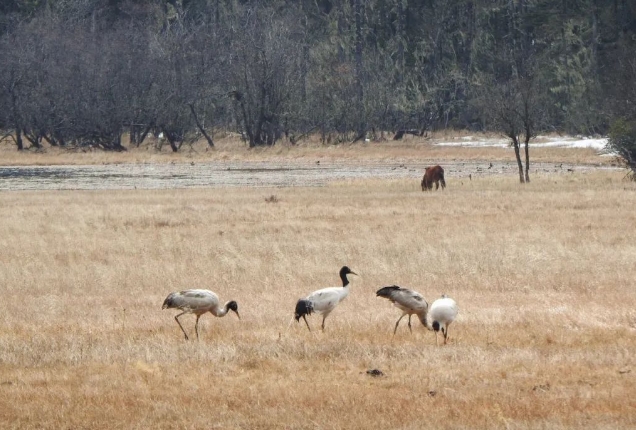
325	300
408	301
198	302
442	313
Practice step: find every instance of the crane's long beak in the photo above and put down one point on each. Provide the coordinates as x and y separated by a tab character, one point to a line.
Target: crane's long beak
237	314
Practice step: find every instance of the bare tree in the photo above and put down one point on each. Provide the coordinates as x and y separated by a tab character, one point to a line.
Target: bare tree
265	72
514	108
13	86
622	105
358	14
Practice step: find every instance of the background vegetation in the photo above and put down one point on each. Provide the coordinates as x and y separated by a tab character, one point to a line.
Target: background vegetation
84	72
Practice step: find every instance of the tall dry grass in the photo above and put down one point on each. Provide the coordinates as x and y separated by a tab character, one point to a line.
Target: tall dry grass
543	274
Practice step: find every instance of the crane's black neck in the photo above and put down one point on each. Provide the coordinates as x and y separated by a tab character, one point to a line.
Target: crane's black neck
345	281
343	275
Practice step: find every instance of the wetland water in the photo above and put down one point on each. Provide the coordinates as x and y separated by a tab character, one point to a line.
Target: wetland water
242	174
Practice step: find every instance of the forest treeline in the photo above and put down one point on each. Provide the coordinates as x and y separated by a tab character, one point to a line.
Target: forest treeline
87	72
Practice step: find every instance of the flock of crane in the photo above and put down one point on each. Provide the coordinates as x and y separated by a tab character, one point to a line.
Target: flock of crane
440	314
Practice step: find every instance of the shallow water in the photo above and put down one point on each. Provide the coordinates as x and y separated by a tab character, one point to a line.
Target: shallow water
240	174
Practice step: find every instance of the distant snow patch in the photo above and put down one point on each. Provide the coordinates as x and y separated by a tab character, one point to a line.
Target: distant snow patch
597	144
469	143
550	142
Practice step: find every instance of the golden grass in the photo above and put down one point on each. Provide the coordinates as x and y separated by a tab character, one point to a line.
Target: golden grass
543	274
231	148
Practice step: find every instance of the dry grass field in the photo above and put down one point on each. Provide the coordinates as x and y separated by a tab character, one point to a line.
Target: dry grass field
544	275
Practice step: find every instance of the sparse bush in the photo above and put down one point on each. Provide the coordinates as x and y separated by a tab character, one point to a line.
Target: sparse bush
622	141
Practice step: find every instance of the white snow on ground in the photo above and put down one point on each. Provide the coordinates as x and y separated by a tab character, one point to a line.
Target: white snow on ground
544	142
598	144
499	143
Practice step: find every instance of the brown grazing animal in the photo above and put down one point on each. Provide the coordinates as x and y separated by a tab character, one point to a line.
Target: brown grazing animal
433	174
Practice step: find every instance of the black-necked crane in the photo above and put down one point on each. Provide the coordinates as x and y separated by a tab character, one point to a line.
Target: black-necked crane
325	300
198	302
442	313
408	301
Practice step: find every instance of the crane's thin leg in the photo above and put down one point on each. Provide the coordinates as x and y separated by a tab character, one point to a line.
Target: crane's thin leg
445	331
410	329
323	322
196	326
306	323
176	318
396	324
291	321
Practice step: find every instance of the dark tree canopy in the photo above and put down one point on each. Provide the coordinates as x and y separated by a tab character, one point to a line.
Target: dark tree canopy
86	72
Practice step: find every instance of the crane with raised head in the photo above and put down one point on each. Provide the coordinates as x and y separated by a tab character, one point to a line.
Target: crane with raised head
325	300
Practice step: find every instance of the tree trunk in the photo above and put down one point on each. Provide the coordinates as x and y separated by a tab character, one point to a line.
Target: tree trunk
401	36
527	160
341	26
116	143
246	117
515	59
172	140
200	126
143	135
51	140
358	69
173	145
304	59
515	143
18	139
595	40
133	131
34	138
217	13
